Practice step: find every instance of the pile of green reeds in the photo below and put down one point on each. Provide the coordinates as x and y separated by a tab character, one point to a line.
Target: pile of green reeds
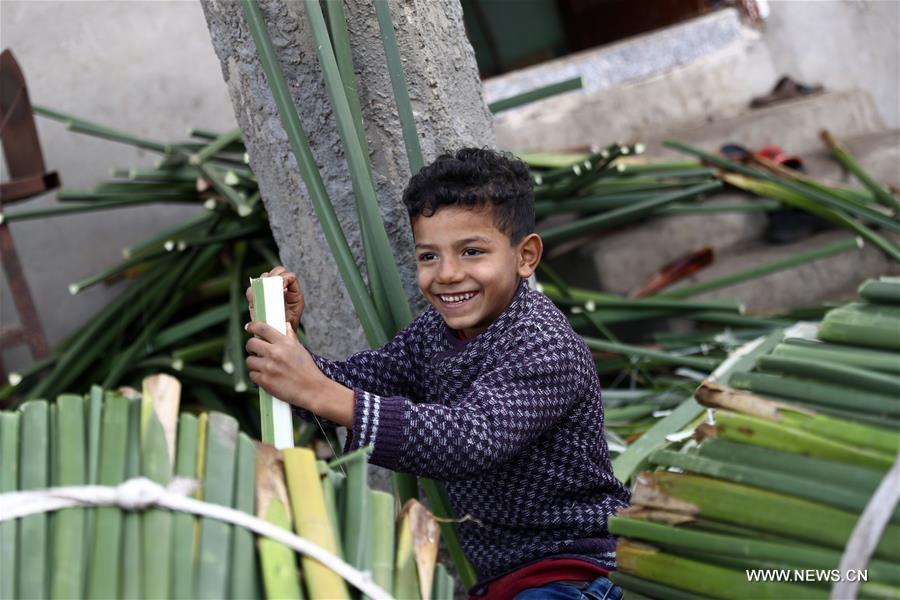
609	189
105	438
852	369
867	212
185	308
646	380
802	433
605	190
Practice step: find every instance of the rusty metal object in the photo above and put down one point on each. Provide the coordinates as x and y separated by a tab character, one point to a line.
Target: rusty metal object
15	275
29	178
675	271
19	137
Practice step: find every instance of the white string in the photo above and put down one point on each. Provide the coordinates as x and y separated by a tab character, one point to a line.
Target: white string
867	533
325	435
141	493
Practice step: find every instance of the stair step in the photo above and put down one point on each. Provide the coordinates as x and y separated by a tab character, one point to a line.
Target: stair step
793	125
878	152
829	279
622	259
711	66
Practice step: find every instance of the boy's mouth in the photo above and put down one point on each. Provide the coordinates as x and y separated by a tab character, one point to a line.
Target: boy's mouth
456	300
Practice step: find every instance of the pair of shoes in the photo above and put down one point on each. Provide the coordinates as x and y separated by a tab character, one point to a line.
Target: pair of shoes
789	224
786	89
769	152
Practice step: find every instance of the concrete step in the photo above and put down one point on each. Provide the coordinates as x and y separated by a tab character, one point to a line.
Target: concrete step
878	152
705	68
627	259
834	278
793	125
622	259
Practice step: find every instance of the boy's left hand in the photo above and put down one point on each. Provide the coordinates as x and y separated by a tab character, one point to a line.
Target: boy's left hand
281	365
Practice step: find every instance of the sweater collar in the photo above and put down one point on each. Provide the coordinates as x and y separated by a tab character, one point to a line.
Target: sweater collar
510	314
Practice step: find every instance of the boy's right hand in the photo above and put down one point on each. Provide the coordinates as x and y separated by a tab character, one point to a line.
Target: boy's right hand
293	296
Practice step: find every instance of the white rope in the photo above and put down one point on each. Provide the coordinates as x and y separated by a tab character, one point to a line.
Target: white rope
141	493
867	533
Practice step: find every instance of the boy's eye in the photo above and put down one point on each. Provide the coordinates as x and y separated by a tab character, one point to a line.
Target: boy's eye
426	256
471	252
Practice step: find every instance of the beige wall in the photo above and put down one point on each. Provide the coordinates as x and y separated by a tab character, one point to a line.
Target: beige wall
842	44
145	67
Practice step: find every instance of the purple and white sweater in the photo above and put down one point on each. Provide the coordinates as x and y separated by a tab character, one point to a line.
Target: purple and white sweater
510	421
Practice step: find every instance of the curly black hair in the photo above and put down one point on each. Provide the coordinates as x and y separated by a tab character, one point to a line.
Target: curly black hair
476	177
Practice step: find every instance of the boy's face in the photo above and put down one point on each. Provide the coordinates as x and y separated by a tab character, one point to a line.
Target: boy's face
468	269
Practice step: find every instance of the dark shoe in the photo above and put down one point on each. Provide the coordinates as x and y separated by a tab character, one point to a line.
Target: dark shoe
789	224
735	152
792	225
785	89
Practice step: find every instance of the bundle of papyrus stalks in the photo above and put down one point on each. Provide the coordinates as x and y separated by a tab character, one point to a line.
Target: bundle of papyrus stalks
108	437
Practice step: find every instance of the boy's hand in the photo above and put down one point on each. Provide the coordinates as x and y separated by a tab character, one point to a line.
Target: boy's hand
279	363
293	296
283	367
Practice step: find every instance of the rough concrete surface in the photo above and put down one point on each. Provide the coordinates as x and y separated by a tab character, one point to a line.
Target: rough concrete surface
879	152
707	68
695	92
632	59
449	109
843	44
827	279
620	268
793	125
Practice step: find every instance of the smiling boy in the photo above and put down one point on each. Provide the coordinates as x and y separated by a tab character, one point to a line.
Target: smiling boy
489	390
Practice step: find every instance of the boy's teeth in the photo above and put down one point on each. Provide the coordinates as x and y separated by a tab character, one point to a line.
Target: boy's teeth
457	298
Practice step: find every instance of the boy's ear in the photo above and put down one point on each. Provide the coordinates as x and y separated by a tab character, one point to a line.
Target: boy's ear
530	250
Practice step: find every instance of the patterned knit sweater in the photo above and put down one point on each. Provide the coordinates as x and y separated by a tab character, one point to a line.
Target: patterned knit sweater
510	421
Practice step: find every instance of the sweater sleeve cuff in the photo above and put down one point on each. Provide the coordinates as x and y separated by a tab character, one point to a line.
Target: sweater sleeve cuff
378	421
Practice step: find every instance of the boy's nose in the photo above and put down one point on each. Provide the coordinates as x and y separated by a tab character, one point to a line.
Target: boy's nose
449	271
